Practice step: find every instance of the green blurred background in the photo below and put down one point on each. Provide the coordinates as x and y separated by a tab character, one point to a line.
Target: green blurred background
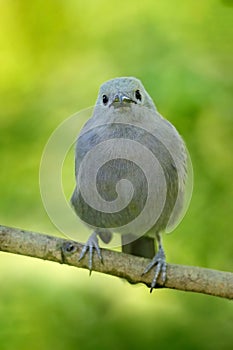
53	57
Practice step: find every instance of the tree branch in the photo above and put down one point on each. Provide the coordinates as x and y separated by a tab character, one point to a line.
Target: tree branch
129	267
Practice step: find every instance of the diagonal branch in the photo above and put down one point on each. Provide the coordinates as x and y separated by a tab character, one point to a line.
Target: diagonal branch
186	278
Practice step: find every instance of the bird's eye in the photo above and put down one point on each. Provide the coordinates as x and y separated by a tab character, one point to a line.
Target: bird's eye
138	95
105	99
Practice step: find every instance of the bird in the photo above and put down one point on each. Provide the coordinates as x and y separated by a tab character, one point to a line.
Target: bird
131	174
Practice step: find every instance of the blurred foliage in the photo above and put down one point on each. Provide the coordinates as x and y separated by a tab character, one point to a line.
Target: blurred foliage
54	55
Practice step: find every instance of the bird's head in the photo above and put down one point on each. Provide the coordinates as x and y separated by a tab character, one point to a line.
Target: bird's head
124	92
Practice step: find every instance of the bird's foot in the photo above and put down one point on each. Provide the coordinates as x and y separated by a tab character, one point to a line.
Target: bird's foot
159	261
91	244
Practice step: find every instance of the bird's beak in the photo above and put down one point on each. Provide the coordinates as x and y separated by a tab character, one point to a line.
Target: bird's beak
121	99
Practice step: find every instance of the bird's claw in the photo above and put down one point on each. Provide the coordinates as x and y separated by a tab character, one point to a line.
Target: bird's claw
91	244
159	261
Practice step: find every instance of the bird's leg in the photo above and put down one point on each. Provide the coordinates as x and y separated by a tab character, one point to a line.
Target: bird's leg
159	260
93	243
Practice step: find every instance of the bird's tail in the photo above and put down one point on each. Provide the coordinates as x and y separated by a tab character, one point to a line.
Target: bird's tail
142	246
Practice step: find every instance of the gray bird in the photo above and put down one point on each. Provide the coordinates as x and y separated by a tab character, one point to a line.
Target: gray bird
130	168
